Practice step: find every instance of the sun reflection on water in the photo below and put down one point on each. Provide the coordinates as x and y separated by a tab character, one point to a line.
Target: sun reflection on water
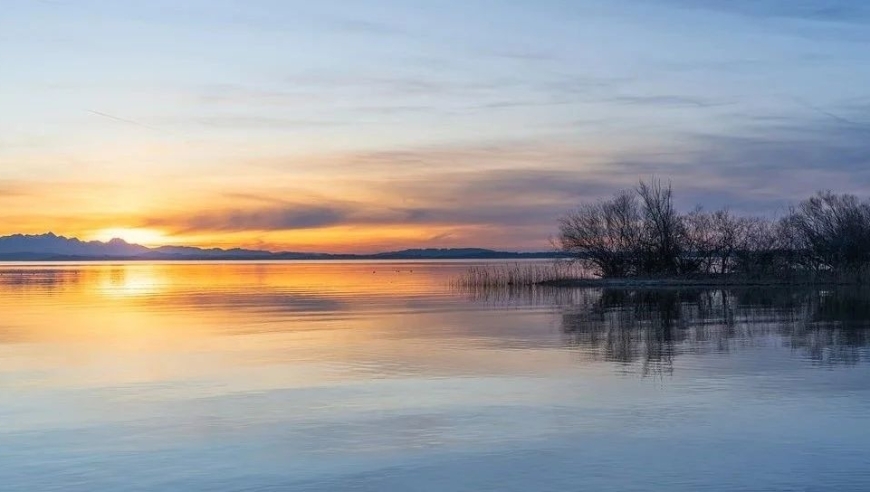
132	281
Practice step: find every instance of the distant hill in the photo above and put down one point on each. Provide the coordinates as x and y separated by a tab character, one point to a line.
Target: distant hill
456	253
51	247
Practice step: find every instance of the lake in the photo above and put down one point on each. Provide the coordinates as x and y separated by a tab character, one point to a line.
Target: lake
379	376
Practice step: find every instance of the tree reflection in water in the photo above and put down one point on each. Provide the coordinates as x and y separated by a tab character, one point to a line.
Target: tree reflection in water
649	328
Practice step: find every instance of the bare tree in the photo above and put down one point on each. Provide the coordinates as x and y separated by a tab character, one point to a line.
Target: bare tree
832	231
639	232
605	234
764	248
663	229
712	240
701	242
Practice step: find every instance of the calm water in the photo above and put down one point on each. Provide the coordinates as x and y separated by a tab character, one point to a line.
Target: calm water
378	377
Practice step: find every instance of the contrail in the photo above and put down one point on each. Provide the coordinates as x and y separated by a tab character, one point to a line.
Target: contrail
863	126
124	120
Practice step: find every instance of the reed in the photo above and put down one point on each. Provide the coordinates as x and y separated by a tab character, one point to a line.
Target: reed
519	274
513	278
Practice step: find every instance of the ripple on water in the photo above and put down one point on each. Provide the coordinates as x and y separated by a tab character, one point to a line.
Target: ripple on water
380	376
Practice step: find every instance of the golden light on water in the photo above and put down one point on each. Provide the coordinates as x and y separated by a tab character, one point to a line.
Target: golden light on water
132	280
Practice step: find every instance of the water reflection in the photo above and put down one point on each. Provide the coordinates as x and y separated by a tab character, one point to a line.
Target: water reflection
646	329
376	376
649	328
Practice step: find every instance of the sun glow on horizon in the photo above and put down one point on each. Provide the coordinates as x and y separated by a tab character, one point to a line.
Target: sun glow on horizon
132	235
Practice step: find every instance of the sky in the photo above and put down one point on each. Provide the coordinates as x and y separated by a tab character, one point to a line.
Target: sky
369	125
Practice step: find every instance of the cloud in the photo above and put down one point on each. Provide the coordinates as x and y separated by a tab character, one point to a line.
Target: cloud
499	198
525	184
463	191
288	217
522	56
267	122
504	188
10	188
764	164
757	166
399	86
299	217
667	101
335	93
847	11
367	27
246	95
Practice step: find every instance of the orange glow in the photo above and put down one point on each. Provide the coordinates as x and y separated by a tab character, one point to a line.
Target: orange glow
338	239
329	202
252	326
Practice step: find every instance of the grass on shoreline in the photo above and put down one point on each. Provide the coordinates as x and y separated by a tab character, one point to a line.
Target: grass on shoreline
519	275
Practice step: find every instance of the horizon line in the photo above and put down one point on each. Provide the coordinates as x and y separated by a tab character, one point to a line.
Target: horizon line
253	250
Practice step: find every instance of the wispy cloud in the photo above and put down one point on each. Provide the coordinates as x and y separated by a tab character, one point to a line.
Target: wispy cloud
667	101
477	123
266	122
287	217
367	27
820	10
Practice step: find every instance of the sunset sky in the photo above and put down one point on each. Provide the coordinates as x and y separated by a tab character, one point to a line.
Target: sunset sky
364	125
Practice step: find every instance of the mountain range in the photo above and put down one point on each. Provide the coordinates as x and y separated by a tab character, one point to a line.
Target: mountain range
51	247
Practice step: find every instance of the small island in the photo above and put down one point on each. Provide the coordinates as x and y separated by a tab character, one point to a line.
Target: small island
638	239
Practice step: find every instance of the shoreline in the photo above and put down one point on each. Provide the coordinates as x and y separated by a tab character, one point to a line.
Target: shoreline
667	282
